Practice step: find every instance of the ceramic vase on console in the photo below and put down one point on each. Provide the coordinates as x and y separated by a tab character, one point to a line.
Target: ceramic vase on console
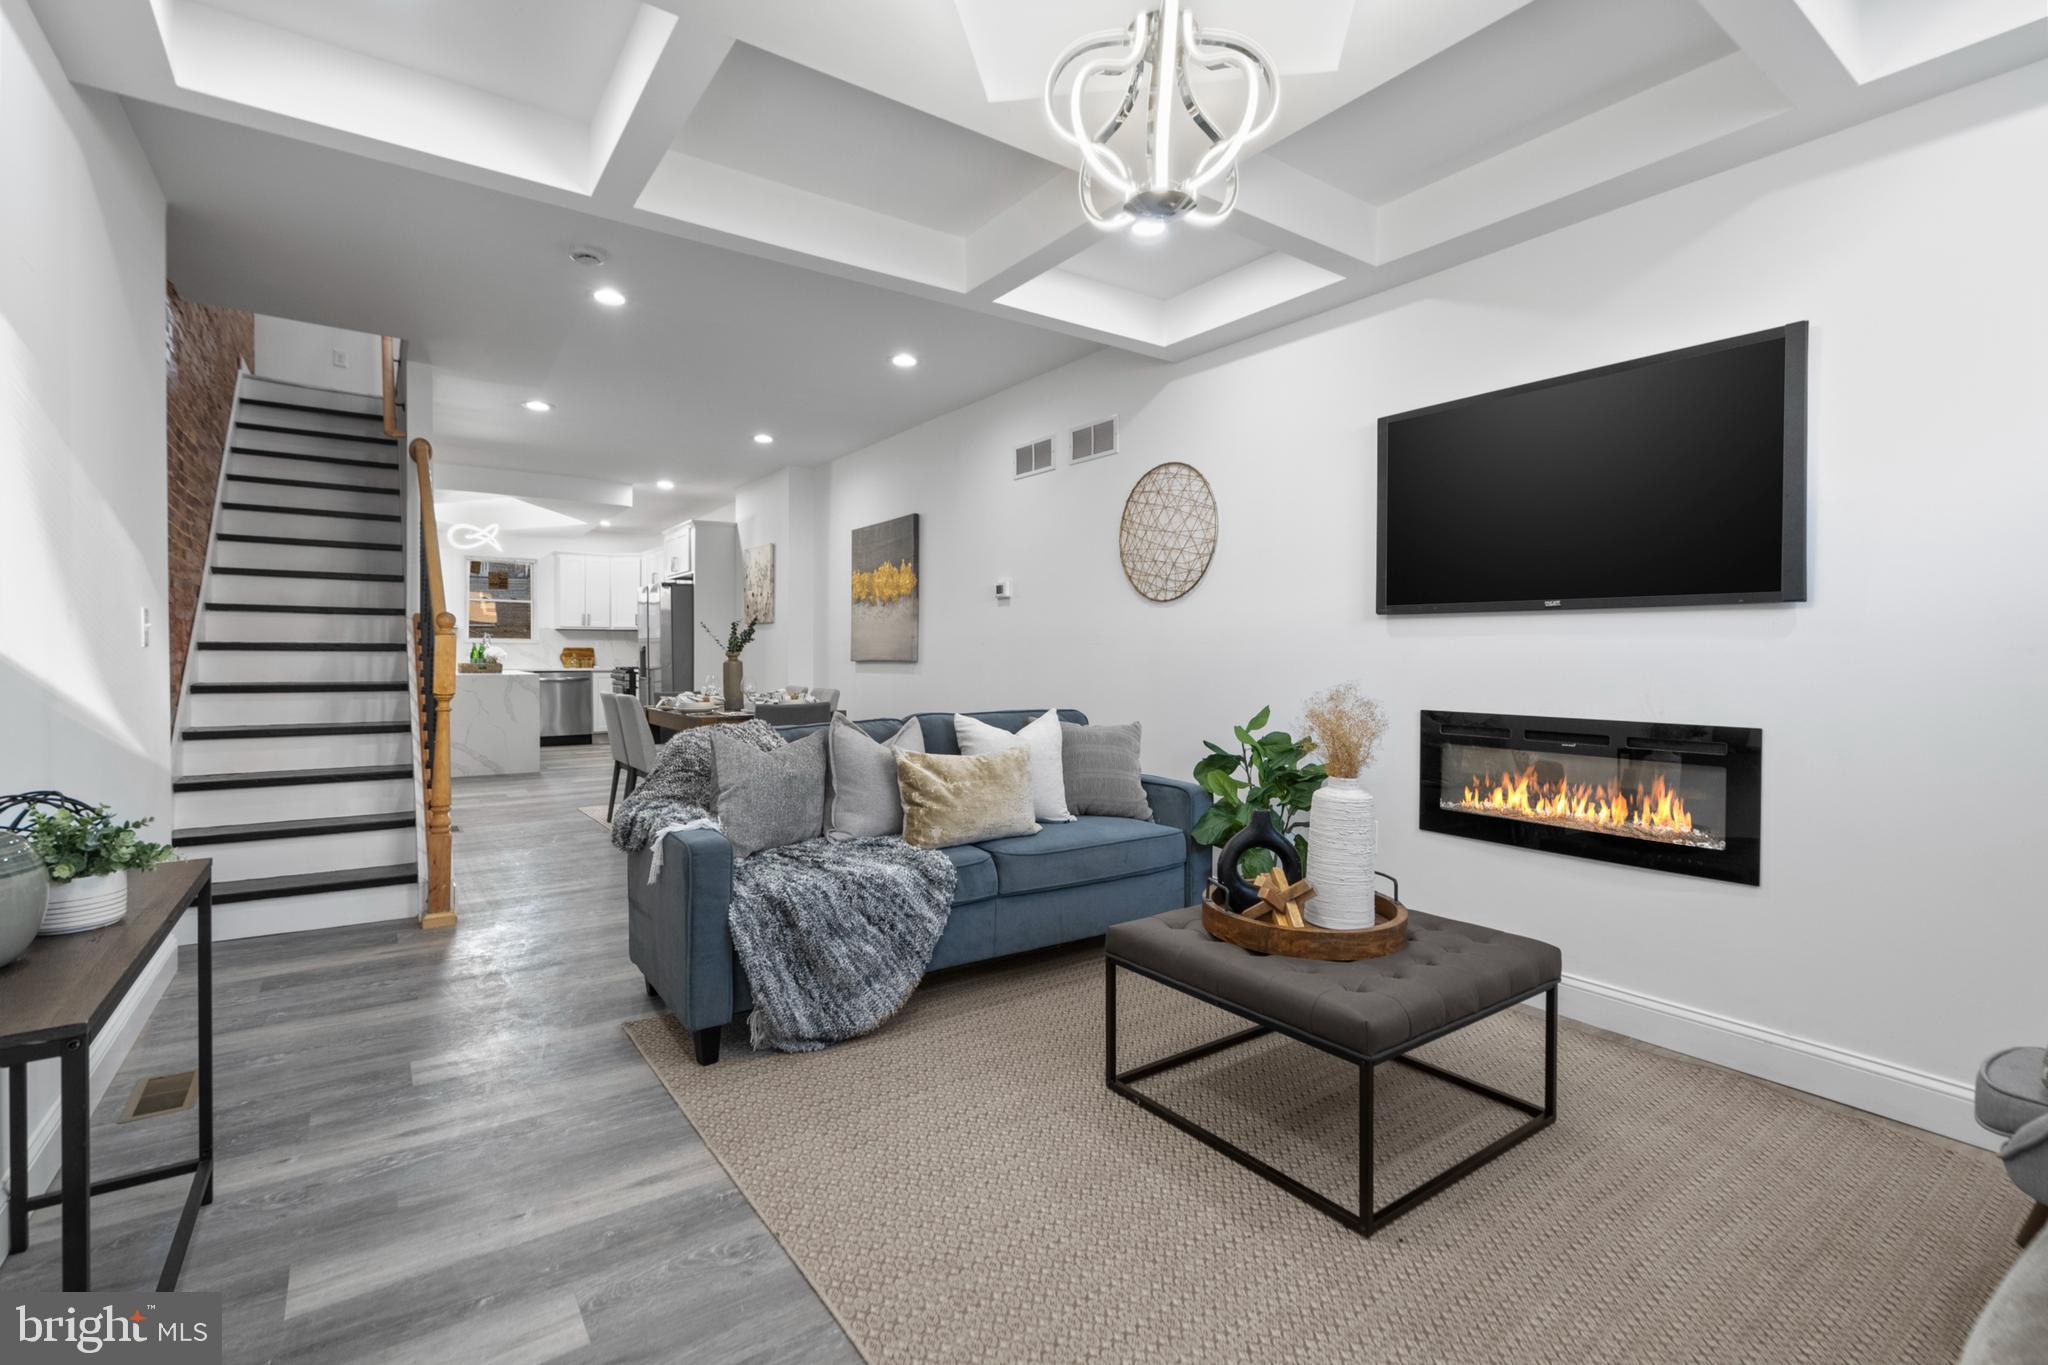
735	684
24	895
1343	841
86	903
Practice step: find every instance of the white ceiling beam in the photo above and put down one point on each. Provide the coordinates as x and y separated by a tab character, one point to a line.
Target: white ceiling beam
1290	210
1025	240
1782	42
456	476
663	70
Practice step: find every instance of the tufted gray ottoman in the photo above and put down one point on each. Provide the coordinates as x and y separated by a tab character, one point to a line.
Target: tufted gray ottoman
1451	974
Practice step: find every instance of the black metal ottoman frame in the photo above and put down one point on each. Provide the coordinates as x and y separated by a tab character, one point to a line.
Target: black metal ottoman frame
1367	1219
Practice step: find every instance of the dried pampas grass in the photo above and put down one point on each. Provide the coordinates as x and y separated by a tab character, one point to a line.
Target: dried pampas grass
1347	726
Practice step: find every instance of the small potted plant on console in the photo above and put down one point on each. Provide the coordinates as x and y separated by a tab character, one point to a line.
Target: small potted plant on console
88	855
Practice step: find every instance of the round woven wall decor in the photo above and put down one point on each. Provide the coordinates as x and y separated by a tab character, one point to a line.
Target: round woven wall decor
1169	531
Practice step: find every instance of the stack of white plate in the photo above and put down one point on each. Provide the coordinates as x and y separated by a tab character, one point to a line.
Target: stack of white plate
90	904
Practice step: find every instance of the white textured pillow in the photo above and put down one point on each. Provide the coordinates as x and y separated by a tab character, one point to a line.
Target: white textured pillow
1042	739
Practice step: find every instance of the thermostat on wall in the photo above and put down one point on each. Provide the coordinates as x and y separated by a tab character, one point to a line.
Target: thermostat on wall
1002	590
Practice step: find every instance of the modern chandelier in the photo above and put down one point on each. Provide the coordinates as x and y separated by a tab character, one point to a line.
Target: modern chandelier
1153	57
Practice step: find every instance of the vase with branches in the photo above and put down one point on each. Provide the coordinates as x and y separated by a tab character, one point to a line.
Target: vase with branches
1347	726
737	638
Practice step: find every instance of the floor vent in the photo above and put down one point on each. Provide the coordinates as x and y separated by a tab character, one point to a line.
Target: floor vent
160	1095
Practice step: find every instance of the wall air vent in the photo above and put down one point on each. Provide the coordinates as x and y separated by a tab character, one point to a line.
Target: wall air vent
1035	458
1090	442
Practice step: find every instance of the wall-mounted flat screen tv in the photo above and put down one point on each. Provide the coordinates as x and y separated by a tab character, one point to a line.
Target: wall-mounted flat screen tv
1673	480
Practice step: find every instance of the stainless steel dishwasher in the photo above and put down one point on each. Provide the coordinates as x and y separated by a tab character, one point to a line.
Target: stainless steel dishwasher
565	702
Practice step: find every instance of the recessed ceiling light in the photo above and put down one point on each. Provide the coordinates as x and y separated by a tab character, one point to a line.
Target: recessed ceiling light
762	438
1149	227
603	522
608	296
903	360
665	485
537	405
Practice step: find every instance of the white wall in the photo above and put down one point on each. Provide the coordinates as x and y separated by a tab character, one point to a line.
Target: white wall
1897	936
303	353
783	510
84	702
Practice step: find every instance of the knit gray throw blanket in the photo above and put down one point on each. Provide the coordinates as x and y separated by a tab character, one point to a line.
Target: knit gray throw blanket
833	936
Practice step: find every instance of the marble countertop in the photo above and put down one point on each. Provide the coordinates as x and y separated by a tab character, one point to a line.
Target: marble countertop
501	673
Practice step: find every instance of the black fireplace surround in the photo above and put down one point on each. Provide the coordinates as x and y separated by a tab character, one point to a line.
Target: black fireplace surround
1674	798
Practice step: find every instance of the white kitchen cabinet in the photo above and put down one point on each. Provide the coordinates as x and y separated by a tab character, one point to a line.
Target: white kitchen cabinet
678	550
596	592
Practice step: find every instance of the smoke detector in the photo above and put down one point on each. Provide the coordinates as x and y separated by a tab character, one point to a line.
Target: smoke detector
587	255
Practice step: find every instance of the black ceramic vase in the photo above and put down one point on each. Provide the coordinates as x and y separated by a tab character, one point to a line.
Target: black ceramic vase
1260	833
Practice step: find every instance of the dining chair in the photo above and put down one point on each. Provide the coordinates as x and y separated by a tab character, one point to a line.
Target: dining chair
615	734
641	751
827	695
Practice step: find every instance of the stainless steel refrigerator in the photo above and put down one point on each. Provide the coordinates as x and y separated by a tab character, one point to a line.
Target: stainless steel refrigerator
667	649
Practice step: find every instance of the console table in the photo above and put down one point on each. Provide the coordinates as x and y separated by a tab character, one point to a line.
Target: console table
54	1000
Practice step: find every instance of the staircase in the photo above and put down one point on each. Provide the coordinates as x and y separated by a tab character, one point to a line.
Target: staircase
293	751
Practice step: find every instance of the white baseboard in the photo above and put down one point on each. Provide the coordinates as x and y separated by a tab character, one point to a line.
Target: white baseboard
1936	1103
109	1051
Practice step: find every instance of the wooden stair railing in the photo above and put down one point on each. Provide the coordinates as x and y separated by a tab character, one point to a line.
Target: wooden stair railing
434	632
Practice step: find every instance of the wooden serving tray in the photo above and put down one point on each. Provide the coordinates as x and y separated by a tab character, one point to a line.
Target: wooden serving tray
1389	935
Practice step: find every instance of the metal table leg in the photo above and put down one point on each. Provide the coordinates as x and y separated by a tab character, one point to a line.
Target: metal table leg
75	1114
17	1158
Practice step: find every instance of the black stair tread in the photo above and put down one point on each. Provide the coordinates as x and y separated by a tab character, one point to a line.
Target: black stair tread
309	542
290	829
312	883
294	609
249	402
293	777
307	646
218	688
322	459
309	511
313	483
340	575
380	439
298	729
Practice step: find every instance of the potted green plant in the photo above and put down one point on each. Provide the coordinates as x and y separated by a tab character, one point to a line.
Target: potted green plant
88	855
1268	772
736	640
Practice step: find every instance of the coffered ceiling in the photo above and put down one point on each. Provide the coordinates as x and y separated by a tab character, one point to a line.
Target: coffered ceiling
900	142
790	190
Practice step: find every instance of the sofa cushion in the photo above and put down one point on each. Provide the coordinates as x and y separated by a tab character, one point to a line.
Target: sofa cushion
1042	740
861	797
938	725
977	873
767	800
954	799
1103	775
1094	848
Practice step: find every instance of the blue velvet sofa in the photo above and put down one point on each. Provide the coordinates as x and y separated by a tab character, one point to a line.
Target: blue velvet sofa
1066	883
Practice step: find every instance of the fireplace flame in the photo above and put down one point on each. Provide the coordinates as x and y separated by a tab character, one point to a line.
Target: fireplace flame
1655	812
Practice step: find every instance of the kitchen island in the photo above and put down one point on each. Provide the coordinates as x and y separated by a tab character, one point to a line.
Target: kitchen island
494	724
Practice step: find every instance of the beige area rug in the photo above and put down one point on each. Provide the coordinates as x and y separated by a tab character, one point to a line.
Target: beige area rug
596	813
959	1186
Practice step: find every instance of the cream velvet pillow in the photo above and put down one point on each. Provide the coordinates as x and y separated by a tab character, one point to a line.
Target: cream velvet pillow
962	799
1042	740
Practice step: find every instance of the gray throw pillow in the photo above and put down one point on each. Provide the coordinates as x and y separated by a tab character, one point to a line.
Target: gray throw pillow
862	801
1101	765
767	800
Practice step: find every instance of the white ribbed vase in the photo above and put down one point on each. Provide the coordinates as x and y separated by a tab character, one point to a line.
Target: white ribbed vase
1343	838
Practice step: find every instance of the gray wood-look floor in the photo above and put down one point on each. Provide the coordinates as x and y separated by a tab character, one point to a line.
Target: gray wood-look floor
441	1147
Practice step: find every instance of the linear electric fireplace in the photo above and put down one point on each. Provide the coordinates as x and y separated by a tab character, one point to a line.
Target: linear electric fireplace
1677	798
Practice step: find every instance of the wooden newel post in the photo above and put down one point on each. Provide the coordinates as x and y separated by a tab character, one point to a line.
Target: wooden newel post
440	688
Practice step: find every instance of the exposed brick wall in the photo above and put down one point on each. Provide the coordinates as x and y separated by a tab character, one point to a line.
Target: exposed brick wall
204	350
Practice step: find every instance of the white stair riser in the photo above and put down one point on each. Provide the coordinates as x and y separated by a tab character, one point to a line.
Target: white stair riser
292	751
296	914
314	592
237	522
242	555
387	477
316	443
313	853
284	495
245	805
294	626
255	386
268	665
291	708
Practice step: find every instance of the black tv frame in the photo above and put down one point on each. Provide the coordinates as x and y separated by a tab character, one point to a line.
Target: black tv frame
1792	526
